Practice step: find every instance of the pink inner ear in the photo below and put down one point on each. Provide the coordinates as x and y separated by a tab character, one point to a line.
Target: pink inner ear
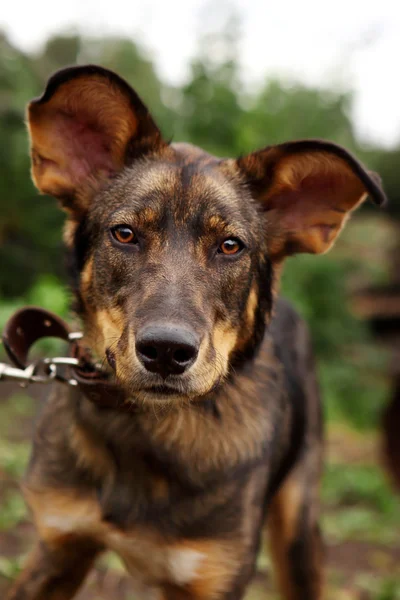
85	149
314	202
311	213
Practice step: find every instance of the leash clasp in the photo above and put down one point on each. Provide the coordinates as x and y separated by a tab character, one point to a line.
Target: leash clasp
51	365
28	375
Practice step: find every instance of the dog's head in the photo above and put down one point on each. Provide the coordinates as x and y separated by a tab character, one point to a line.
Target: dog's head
175	251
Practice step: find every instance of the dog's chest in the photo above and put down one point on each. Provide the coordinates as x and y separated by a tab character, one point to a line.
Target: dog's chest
151	558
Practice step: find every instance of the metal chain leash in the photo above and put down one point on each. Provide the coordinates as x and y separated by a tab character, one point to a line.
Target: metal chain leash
30	324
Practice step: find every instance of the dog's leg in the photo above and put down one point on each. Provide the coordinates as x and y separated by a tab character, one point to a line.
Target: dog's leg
294	534
56	572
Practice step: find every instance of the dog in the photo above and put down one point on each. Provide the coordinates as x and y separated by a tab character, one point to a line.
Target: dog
175	257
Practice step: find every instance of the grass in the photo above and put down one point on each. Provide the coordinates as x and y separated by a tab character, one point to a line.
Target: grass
360	504
13	510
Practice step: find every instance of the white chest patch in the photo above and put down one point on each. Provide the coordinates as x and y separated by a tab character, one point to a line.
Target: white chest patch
184	565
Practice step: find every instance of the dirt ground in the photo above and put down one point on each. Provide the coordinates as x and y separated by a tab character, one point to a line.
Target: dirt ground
361	517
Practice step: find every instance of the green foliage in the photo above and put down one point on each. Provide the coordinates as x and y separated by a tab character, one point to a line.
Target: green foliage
349	365
351	485
13	510
283	111
317	286
387	589
359	504
13	459
49	293
10	567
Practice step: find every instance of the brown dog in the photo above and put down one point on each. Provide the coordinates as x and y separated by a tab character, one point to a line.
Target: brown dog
175	257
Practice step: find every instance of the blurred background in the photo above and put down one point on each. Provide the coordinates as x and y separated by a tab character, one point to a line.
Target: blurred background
233	77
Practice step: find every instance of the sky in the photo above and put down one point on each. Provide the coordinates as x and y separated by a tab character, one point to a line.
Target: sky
345	43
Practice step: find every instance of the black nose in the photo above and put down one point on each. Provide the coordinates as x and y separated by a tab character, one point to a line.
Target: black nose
167	349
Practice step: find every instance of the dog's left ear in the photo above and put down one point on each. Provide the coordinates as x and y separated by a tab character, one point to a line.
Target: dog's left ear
307	190
85	128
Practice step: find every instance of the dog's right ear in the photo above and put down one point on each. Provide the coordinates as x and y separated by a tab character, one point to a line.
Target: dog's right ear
86	127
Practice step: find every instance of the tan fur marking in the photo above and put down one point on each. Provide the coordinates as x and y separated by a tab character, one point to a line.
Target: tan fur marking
148	215
224	339
156	178
282	520
286	509
69	231
86	277
58	514
106	330
251	306
216	185
90	452
284	524
215	222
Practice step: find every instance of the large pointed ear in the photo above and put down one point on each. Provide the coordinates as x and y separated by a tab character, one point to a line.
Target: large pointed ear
307	190
86	127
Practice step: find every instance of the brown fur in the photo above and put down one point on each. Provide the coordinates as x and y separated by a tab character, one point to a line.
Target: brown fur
181	487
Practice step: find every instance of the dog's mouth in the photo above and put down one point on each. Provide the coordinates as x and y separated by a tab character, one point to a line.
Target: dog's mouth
162	390
151	387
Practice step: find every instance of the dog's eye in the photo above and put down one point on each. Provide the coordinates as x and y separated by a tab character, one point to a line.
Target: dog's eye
230	246
124	234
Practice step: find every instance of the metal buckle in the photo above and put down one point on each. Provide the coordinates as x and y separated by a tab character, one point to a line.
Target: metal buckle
61	361
75	335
